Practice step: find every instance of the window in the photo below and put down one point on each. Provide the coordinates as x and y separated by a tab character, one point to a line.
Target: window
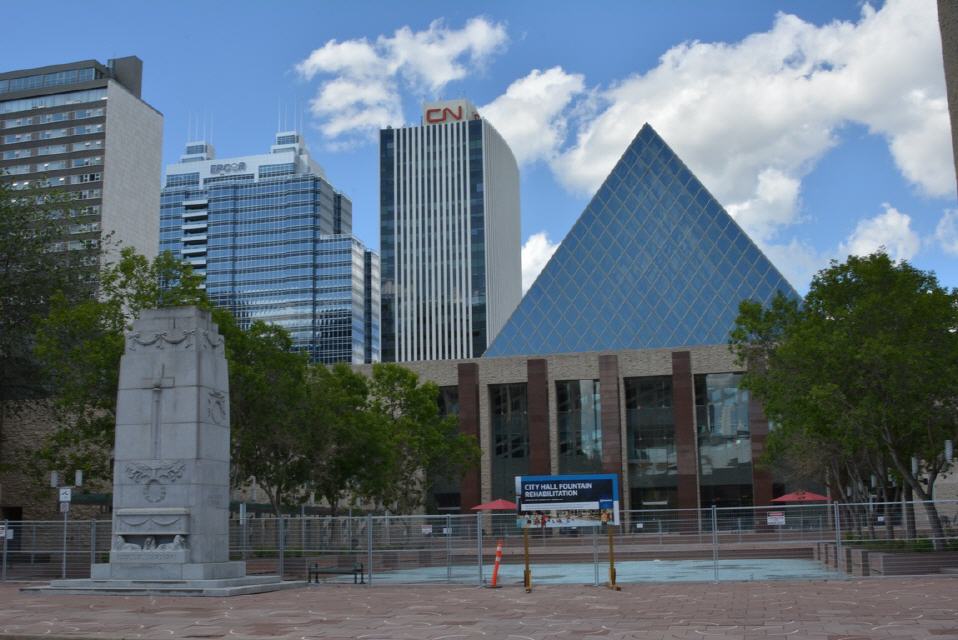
87	129
510	436
52	149
85	177
88	161
14	138
724	442
47	134
580	426
17	169
60	116
87	144
16	153
650	442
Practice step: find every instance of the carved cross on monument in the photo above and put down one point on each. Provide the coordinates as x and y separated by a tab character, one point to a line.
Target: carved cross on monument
157	383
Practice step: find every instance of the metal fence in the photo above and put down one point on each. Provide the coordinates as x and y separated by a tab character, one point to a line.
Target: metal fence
788	542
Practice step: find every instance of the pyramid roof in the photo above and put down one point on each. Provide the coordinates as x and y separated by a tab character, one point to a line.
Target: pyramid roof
654	261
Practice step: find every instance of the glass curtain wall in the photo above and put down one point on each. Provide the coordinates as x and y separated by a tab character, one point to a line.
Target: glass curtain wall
580	426
650	429
724	441
509	409
446	497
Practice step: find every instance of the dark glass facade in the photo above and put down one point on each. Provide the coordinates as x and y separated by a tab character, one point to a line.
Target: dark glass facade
724	441
579	426
669	261
509	414
650	438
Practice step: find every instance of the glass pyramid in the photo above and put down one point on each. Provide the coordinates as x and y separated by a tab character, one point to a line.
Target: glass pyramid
654	261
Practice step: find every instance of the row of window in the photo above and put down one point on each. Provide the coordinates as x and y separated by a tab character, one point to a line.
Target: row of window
50	134
54	165
54	79
55	100
46	118
87	145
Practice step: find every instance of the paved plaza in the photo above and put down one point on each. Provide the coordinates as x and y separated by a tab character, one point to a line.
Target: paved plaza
815	610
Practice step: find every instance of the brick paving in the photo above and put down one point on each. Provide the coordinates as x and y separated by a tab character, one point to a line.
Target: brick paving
900	608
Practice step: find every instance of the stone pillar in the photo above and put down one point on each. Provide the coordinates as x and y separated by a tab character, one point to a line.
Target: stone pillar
758	431
610	416
686	441
172	453
471	485
538	398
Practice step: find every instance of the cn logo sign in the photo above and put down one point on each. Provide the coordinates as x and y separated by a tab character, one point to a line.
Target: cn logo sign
437	115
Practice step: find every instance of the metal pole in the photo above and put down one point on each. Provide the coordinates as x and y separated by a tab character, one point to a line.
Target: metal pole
838	525
595	556
527	574
715	542
3	565
448	533
660	530
92	543
281	529
63	565
369	547
479	543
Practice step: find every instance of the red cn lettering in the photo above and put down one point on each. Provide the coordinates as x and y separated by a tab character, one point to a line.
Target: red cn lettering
434	116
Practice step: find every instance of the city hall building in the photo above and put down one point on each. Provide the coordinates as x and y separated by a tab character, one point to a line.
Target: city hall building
617	359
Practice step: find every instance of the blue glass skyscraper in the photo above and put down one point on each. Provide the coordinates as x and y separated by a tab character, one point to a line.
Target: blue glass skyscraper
273	240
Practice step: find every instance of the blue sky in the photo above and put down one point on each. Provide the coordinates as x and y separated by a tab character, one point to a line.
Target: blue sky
821	125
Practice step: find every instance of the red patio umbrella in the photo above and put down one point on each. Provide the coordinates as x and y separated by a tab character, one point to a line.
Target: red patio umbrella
802	496
495	505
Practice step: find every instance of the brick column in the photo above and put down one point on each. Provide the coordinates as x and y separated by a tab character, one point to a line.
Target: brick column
758	429
686	441
538	399
471	485
609	413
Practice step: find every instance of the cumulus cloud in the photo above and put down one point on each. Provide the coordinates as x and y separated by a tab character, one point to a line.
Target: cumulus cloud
798	261
535	254
891	230
752	118
532	115
946	232
362	82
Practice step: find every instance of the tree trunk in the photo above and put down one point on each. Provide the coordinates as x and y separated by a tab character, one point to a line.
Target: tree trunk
908	513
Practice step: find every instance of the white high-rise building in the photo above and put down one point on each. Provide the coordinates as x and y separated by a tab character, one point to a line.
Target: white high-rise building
449	235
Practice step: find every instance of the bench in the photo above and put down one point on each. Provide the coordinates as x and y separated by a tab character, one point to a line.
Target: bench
315	571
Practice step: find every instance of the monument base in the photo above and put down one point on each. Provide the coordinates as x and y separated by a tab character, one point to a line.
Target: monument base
129	569
154	587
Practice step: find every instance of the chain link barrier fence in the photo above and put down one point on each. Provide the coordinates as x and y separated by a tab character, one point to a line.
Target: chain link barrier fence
824	540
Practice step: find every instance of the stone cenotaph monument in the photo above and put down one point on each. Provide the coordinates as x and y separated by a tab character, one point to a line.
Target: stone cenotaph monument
171	472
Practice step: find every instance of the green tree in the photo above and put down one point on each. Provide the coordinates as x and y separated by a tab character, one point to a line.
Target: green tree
422	445
866	369
33	269
346	447
269	410
79	344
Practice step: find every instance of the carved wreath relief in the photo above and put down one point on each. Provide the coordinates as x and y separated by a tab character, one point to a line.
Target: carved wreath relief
186	341
155	479
149	544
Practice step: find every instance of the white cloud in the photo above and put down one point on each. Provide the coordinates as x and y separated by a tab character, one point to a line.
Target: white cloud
752	118
891	230
363	93
535	254
531	114
774	204
946	233
798	262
